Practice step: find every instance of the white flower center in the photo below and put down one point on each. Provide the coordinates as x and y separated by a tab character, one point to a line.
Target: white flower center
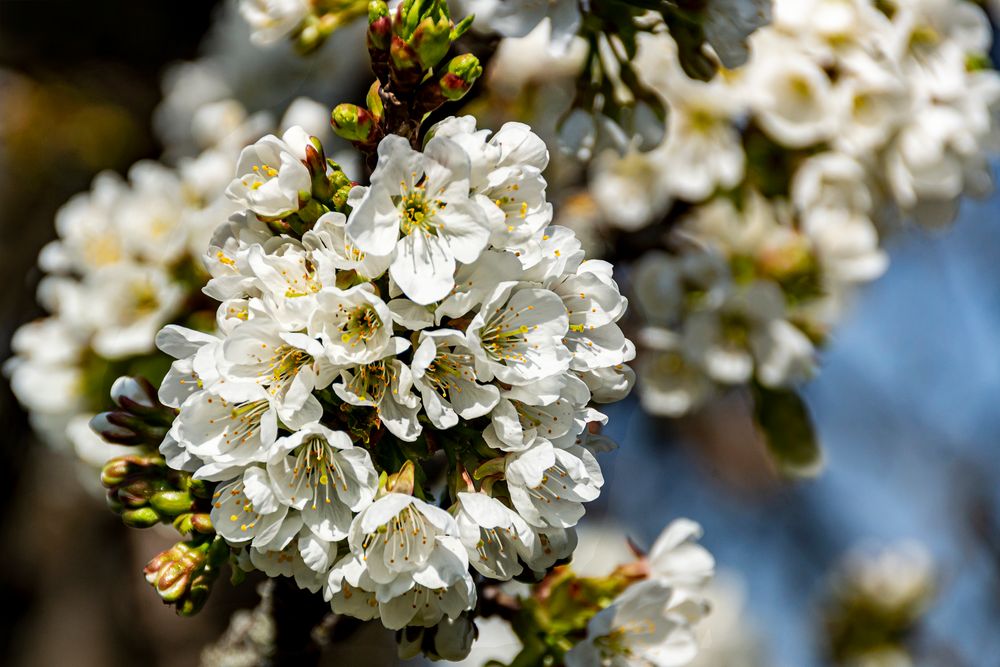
503	336
302	281
283	366
359	324
495	544
512	207
417	211
245	515
245	422
552	485
259	175
317	467
447	369
371	380
406	538
619	641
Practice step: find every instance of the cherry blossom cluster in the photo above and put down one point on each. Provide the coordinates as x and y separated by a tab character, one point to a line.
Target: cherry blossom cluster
435	320
877	597
779	178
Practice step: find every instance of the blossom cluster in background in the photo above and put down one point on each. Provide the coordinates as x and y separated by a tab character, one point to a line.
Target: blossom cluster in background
779	178
127	261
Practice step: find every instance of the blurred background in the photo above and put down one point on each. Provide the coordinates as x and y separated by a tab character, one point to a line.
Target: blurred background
906	408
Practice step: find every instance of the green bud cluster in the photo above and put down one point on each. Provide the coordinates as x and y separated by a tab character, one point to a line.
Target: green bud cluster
145	492
408	49
183	574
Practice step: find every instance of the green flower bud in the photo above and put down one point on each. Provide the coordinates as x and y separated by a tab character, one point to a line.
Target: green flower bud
194	522
171	503
172	581
431	41
118	469
315	158
202	523
463	71
144	517
404	58
379	26
377	9
353	123
136	493
424	27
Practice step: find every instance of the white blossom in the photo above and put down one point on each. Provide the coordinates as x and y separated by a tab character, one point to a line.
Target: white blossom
273	20
415	560
324	476
548	485
444	373
648	624
270	174
495	537
418	209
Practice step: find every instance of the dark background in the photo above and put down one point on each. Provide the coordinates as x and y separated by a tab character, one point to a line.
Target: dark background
78	84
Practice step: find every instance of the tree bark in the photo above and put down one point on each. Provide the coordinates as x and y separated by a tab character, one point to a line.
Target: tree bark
296	613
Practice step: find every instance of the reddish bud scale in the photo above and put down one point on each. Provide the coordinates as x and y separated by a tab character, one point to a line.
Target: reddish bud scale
403	56
379	34
454	85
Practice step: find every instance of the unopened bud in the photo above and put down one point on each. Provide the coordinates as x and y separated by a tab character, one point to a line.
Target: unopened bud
137	492
316	163
140	420
462	72
431	41
353	123
127	391
125	428
183	574
202	523
402	481
379	26
315	157
171	581
171	503
422	32
119	468
137	396
144	517
404	58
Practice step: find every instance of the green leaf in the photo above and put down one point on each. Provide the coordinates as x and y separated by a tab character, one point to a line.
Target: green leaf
784	421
